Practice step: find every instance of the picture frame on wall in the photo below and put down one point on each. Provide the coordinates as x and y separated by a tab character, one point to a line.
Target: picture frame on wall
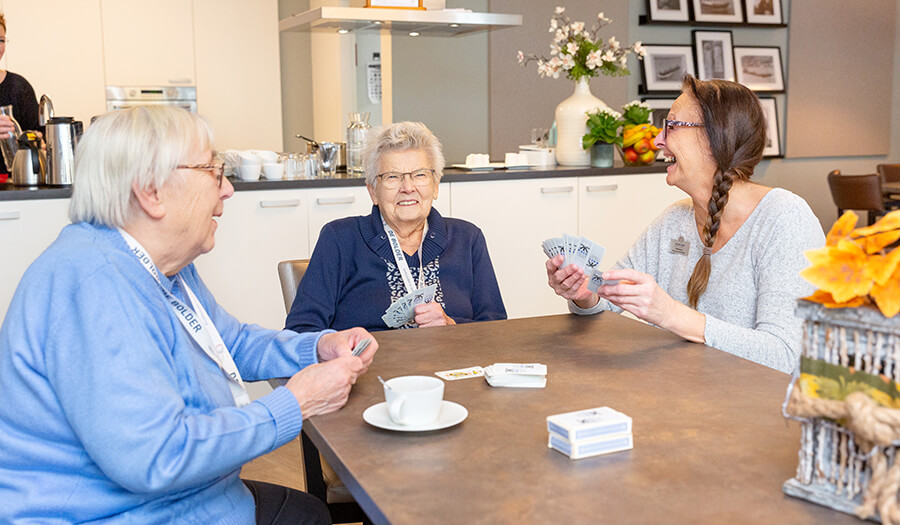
759	68
773	140
668	10
718	11
763	11
664	67
714	55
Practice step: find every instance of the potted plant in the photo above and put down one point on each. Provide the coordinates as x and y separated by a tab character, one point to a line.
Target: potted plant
603	132
636	145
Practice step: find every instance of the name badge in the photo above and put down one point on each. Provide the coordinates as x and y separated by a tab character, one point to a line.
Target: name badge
679	246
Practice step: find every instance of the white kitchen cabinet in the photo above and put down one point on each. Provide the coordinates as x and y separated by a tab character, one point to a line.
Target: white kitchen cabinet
256	231
613	211
57	46
239	72
27	227
149	43
515	216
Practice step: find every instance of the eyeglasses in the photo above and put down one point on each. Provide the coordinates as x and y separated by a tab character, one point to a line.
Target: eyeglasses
393	179
672	124
217	169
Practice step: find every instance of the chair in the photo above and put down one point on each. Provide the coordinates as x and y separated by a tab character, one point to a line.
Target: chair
321	480
857	192
890	173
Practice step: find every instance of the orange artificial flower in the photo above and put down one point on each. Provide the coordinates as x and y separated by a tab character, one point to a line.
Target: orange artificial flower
891	221
839	270
826	300
841	228
887	296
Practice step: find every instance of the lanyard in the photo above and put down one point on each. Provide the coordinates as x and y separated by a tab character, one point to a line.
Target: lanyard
400	257
198	325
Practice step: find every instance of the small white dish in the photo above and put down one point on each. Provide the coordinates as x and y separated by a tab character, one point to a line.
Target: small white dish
518	166
249	171
267	157
488	167
249	159
273	171
451	414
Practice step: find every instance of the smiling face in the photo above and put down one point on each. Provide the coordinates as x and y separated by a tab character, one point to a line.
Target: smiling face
694	168
408	206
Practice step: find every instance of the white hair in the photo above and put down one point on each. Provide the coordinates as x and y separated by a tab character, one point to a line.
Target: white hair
140	145
402	136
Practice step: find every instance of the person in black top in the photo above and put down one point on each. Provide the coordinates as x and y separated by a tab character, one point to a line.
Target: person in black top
15	90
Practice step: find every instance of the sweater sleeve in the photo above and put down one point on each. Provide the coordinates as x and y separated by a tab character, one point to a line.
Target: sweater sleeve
113	363
487	304
775	340
316	301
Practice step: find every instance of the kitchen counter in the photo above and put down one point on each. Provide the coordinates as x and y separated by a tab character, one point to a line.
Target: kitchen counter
8	192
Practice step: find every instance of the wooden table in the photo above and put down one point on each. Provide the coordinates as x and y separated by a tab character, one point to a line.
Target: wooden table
890	188
710	443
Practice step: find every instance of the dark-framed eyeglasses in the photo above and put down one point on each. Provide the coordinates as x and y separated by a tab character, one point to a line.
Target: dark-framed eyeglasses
672	124
393	179
217	169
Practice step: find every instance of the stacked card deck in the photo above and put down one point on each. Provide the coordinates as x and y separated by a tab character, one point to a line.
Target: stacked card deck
592	432
517	375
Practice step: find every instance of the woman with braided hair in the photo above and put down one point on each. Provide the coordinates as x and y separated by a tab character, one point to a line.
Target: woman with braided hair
721	267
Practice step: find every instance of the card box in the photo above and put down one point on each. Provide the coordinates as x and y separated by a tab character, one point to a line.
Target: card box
593	447
589	424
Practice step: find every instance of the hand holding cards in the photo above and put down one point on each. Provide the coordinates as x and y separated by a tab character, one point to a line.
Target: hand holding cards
403	311
583	253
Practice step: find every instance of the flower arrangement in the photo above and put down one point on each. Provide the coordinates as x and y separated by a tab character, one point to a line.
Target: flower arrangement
857	266
603	126
581	53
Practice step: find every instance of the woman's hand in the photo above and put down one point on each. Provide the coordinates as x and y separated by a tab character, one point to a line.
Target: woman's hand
432	314
6	127
339	344
570	282
638	294
325	387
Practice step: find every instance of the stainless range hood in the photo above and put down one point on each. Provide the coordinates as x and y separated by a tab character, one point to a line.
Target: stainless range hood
400	21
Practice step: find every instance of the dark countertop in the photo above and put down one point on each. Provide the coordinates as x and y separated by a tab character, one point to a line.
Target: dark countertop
8	192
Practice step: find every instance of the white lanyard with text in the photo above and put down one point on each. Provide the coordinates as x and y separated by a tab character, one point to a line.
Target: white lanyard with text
400	258
197	324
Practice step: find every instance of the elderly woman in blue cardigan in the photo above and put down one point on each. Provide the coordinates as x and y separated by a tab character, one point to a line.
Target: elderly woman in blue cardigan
361	265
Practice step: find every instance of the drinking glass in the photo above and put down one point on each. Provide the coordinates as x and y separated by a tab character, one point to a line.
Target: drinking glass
9	145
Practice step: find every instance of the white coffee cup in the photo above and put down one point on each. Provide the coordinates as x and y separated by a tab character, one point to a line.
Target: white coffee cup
273	171
414	400
249	171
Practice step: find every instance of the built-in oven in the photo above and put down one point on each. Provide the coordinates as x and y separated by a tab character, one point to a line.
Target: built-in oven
120	97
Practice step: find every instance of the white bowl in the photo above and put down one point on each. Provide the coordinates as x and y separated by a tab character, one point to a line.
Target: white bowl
249	159
273	171
249	171
268	157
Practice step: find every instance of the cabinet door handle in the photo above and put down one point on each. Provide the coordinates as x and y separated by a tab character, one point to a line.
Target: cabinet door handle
290	203
324	201
183	80
558	189
603	187
9	216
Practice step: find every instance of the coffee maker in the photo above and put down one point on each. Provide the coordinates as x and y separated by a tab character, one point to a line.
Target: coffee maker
62	135
29	164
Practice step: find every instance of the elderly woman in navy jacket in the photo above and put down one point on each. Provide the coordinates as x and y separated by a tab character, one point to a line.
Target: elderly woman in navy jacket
361	265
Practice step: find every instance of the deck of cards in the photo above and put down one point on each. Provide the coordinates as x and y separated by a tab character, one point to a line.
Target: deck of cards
402	311
582	252
590	432
517	375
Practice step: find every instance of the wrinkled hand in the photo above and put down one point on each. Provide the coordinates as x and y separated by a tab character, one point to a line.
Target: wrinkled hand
569	282
337	344
6	127
638	294
324	387
432	314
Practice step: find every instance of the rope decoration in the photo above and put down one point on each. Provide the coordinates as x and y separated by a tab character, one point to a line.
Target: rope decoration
874	428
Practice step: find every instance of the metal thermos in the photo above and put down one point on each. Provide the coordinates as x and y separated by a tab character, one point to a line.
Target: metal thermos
61	138
28	166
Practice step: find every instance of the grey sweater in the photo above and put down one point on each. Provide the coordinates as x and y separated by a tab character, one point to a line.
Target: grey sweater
754	283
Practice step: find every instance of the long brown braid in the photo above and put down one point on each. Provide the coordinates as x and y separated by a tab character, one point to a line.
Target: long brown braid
736	129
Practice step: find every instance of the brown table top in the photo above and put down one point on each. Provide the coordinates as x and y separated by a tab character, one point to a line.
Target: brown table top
890	188
710	444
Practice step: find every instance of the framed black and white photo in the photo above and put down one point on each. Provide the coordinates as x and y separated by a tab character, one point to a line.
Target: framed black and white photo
763	11
718	11
664	67
668	10
713	51
759	68
659	109
773	141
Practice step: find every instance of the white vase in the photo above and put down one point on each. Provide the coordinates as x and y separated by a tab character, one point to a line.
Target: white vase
571	125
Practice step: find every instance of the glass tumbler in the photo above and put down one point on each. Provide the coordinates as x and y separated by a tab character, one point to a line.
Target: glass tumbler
9	145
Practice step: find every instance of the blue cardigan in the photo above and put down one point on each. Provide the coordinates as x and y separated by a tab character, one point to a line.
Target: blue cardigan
352	276
110	411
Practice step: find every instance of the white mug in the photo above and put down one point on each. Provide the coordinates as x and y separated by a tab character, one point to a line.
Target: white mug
414	400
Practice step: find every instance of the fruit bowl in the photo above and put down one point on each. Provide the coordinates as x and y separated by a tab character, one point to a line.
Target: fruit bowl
632	158
637	145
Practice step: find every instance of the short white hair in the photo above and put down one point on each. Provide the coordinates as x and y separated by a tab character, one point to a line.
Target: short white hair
136	145
402	136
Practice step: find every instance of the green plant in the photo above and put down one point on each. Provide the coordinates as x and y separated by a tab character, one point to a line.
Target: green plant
636	112
603	126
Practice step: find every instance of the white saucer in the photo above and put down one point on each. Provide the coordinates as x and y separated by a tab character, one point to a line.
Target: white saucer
451	414
518	166
488	167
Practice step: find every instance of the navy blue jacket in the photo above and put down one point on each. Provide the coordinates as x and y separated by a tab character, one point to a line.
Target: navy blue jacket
352	276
